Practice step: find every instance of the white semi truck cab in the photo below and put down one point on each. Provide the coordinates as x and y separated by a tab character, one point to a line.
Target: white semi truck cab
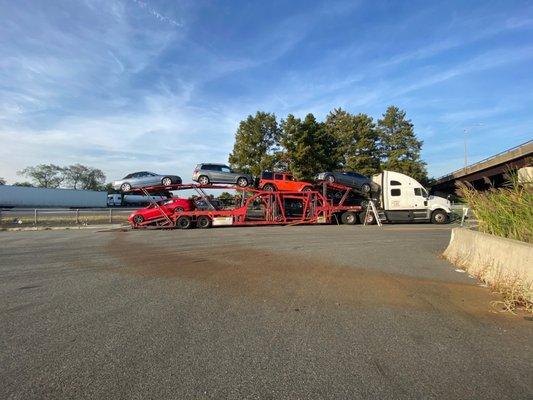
403	199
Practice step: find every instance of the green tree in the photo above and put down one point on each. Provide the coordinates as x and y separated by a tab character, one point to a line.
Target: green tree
2	181
82	177
227	199
358	141
44	175
401	148
256	143
308	147
23	184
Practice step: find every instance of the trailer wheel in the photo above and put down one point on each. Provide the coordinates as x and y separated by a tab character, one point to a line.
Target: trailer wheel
242	182
203	180
348	218
368	217
166	181
203	222
269	187
125	187
439	217
183	222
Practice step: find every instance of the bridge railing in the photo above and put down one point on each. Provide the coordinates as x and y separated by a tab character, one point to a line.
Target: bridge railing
451	174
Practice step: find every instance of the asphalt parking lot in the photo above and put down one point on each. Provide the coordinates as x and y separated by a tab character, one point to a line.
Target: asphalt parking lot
270	313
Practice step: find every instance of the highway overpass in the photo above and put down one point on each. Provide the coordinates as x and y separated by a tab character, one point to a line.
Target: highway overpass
489	172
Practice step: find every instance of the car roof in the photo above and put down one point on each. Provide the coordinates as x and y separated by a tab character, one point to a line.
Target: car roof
210	163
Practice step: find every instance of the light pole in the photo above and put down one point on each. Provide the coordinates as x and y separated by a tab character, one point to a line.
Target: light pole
465	130
466	159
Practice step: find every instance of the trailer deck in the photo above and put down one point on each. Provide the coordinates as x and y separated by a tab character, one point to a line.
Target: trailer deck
257	207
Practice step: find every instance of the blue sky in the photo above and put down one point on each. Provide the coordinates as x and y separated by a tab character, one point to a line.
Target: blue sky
128	85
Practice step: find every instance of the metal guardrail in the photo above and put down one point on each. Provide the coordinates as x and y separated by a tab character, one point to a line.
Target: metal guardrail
47	217
451	174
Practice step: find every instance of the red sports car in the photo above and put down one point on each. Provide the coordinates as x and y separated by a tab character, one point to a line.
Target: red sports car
152	212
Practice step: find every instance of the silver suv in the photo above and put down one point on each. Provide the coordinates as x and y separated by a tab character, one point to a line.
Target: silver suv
205	174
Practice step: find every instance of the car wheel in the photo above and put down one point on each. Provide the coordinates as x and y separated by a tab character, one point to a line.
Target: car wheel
269	187
203	180
138	219
183	222
348	218
365	188
166	181
439	217
242	182
178	209
367	217
330	178
203	222
307	189
125	187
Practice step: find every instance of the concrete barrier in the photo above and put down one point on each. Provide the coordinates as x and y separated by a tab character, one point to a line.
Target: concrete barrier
493	259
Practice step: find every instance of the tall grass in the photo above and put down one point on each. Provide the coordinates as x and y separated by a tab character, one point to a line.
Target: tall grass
506	212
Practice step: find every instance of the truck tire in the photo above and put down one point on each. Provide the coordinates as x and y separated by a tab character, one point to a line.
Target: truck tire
370	218
348	218
203	222
183	222
439	217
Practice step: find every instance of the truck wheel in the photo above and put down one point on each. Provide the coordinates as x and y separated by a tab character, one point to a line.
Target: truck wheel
348	218
183	222
203	180
203	222
439	217
166	181
368	217
269	187
125	187
242	182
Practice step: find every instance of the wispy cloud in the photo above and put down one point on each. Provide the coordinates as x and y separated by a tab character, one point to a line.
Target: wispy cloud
145	6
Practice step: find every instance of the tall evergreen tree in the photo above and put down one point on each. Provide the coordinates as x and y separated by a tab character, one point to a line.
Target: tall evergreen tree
308	147
358	140
401	148
255	143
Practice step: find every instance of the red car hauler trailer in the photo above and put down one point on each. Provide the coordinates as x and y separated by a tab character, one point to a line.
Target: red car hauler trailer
257	207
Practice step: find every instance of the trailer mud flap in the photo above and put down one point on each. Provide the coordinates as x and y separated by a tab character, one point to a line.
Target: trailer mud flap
222	221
